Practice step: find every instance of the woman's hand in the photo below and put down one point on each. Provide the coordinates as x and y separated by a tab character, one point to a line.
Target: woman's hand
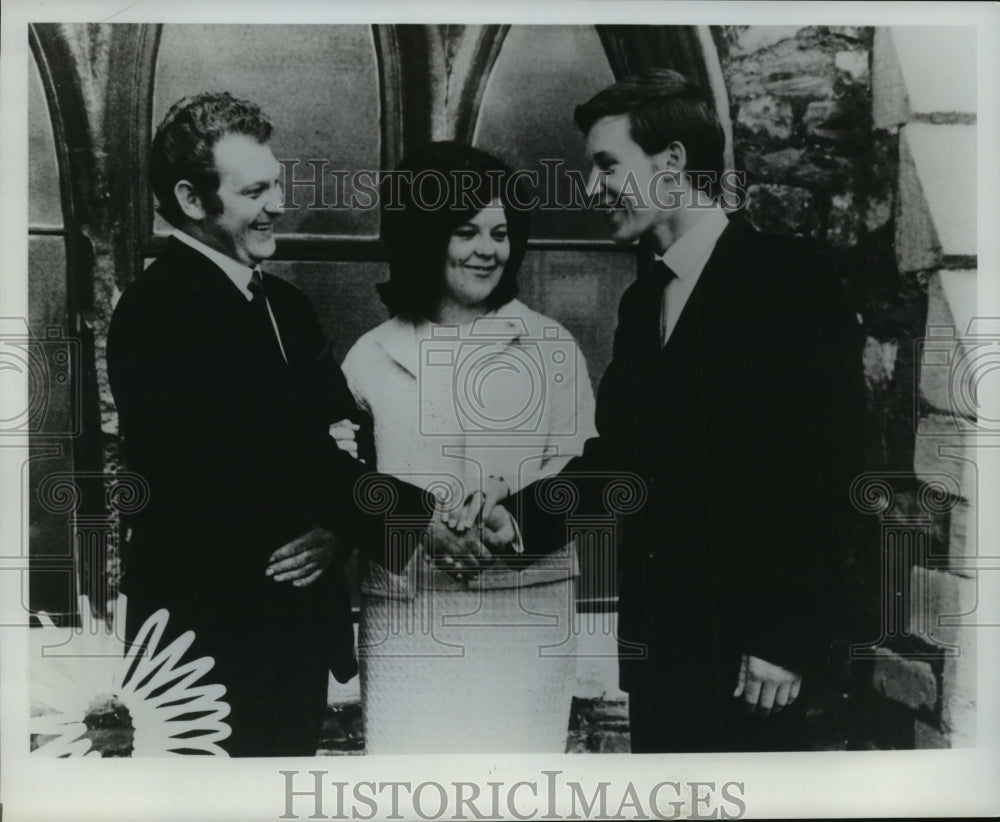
462	555
344	434
479	504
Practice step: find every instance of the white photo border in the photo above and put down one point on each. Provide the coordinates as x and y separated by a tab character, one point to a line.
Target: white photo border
815	784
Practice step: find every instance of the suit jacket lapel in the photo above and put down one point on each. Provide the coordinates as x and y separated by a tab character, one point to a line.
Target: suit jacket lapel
205	278
229	307
711	285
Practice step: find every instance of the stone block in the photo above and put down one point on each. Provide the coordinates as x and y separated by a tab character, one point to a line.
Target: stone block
882	179
843	222
810	86
598	726
927	737
878	212
958	695
777	209
942	458
960	293
944	159
951	50
917	245
775	166
950	358
756	38
858	33
911	682
810	168
890	103
343	731
788	68
963	530
879	359
854	64
614	742
766	116
941	605
834	119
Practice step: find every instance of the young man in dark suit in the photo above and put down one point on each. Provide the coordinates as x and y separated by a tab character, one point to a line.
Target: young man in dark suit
734	394
225	389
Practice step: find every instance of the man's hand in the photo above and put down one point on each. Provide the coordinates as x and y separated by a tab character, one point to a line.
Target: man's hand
460	554
343	433
481	503
499	533
303	560
766	687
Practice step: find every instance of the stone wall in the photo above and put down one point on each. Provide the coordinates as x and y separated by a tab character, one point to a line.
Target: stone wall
800	104
847	137
865	139
930	668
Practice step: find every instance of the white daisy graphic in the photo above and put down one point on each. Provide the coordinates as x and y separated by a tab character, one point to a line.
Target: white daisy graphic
92	698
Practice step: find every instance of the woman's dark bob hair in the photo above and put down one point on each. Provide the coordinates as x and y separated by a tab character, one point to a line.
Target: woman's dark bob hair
434	190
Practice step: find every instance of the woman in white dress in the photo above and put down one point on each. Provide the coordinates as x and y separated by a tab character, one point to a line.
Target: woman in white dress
466	388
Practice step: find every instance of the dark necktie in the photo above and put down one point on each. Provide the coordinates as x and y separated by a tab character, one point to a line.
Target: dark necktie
263	316
661	273
661	276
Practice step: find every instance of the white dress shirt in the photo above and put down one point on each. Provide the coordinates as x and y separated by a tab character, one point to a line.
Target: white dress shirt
239	274
687	258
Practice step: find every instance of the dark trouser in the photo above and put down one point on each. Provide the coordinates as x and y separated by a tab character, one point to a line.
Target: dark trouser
679	662
273	662
668	716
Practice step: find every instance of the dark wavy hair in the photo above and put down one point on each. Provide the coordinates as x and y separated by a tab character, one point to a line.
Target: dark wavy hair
183	147
435	189
663	106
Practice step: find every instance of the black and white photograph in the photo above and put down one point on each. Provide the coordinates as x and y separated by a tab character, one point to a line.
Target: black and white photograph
418	411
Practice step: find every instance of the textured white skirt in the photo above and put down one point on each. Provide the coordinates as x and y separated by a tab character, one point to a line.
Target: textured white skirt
475	671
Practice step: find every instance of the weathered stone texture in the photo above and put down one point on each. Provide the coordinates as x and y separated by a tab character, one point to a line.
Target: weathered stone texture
926	736
910	682
837	120
755	38
941	603
776	209
810	167
962	539
890	101
879	362
958	708
766	116
800	105
843	221
941	456
855	63
948	372
598	726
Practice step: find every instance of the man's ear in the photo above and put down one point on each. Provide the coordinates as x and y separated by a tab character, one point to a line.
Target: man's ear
672	158
189	201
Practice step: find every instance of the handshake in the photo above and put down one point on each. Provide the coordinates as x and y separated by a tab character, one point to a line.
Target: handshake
480	535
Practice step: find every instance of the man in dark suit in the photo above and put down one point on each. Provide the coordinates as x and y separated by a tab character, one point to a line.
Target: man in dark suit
225	389
734	394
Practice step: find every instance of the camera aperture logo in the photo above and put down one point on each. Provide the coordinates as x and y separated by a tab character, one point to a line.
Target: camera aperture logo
46	366
315	795
495	379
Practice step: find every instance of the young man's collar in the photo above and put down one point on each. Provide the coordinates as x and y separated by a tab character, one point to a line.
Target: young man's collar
239	273
689	253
